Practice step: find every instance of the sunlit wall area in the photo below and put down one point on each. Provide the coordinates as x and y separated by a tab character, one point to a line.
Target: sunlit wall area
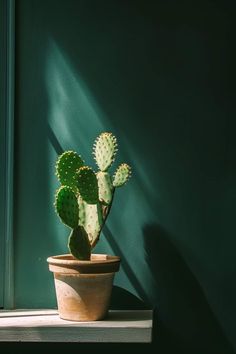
159	75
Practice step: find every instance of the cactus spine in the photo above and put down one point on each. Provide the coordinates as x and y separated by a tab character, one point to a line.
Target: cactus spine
85	198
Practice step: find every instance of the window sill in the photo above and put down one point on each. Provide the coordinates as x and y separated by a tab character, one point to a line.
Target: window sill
46	326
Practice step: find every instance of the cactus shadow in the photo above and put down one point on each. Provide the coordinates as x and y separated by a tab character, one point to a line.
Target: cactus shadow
185	320
120	296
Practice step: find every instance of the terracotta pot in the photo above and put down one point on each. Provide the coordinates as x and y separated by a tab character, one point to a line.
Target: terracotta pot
83	288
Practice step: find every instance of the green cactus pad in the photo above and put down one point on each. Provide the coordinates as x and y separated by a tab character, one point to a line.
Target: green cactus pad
67	206
87	184
82	211
105	187
105	148
78	244
66	166
90	217
121	175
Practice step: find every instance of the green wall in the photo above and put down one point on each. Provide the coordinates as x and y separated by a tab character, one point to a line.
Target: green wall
160	75
2	142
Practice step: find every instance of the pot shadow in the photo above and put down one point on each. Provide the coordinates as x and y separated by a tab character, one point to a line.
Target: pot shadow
122	299
122	296
186	323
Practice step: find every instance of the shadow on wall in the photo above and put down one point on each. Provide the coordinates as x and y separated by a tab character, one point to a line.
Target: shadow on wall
184	315
127	300
121	298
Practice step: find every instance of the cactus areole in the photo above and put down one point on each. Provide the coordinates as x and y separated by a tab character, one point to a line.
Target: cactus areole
85	197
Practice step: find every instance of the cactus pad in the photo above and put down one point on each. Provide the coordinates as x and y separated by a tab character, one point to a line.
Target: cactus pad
105	148
121	175
67	206
67	165
105	187
87	184
90	217
78	244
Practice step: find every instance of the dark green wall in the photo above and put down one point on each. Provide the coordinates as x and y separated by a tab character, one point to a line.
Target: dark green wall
161	76
2	141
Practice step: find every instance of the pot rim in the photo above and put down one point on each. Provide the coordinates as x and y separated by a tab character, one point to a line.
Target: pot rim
96	258
99	263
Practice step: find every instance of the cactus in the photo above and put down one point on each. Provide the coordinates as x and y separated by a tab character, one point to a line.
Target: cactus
85	197
121	175
88	185
66	167
105	186
105	148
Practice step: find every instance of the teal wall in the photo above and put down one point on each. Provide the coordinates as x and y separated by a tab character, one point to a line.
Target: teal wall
2	142
160	75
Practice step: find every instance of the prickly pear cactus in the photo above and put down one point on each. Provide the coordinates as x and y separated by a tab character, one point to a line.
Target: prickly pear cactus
78	236
66	167
84	199
121	175
88	185
105	187
67	206
91	218
105	148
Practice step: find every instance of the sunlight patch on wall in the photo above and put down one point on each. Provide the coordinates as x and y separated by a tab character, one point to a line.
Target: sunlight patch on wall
74	116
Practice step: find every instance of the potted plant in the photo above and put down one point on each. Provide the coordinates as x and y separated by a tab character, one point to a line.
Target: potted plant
83	280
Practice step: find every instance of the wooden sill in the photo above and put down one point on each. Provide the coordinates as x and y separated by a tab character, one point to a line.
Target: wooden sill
46	326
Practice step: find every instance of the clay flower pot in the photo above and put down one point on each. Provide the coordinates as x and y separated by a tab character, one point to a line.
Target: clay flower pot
83	288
